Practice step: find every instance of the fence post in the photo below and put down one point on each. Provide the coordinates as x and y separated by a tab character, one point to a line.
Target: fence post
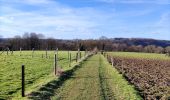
76	57
70	60
57	53
55	64
20	51
84	53
7	50
12	52
32	52
23	81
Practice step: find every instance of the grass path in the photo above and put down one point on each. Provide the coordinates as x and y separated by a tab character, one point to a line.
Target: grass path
96	80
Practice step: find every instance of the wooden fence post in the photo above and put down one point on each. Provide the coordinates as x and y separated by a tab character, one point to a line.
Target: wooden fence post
7	50
32	52
76	57
70	60
20	51
23	81
55	64
57	53
84	53
12	52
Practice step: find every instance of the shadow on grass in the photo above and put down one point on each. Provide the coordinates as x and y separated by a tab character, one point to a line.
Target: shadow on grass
1	98
48	90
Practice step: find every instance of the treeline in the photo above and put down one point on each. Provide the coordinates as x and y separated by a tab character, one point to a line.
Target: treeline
139	48
37	41
28	41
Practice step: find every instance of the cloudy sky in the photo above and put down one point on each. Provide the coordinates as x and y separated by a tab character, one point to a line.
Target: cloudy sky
70	19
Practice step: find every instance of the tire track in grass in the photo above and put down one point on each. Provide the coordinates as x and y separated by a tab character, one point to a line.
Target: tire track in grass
102	80
106	91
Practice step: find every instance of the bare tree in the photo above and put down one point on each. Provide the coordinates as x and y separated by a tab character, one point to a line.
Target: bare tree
150	48
41	36
34	40
159	50
16	42
167	50
51	43
26	42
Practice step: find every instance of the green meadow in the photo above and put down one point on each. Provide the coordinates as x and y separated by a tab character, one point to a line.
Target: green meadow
38	70
139	55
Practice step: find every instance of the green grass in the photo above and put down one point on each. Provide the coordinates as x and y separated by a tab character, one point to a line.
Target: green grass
38	71
96	80
140	55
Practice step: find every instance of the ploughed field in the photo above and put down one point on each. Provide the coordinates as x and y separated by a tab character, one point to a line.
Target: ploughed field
38	70
150	73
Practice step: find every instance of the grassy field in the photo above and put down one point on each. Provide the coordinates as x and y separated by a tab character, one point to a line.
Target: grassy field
38	70
96	79
140	55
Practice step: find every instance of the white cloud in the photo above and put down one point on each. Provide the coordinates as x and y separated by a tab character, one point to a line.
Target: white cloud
165	20
36	1
49	20
159	29
30	2
163	25
61	21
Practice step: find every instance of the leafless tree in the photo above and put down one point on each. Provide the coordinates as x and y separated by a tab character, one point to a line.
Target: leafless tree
150	48
159	50
167	50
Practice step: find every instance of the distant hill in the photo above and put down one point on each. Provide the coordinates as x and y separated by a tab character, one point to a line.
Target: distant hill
142	41
3	40
127	41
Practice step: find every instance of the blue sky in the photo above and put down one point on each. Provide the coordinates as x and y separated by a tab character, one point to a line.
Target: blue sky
71	19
